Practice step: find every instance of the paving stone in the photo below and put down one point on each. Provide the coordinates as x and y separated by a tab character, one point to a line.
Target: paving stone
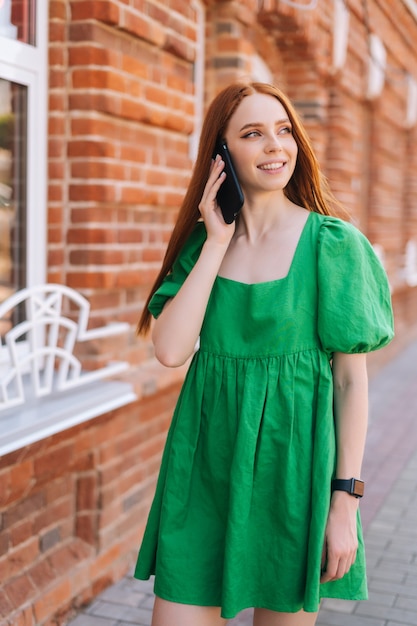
368	609
331	618
407	603
90	620
119	595
340	606
383	599
120	612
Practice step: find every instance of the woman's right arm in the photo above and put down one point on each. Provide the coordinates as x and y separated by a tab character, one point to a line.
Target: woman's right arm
177	328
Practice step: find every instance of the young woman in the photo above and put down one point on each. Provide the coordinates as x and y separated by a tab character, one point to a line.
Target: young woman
285	301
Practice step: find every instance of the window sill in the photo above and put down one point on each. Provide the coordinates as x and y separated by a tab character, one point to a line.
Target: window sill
42	417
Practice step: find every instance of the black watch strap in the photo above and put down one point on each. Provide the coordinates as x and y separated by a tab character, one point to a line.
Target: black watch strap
353	486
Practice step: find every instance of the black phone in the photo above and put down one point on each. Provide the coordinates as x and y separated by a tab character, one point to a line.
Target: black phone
230	195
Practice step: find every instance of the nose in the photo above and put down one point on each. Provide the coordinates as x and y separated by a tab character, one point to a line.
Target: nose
273	143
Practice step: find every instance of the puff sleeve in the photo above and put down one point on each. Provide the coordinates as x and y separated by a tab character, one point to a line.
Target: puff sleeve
180	270
354	301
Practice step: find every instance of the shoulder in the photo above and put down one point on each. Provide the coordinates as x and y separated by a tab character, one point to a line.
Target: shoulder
340	236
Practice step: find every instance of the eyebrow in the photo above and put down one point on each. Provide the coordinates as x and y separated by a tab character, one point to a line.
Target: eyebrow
284	120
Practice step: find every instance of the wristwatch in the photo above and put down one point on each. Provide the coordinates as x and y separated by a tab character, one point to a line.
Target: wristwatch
353	486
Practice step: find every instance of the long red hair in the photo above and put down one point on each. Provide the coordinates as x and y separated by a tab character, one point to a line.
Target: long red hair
307	188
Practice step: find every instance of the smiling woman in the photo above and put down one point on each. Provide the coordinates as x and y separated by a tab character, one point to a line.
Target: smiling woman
274	405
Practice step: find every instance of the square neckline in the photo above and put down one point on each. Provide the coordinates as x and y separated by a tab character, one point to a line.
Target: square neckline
274	280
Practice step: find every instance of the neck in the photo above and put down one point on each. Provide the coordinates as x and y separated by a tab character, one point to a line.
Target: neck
265	215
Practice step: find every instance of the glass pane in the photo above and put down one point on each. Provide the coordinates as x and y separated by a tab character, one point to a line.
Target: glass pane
18	20
13	149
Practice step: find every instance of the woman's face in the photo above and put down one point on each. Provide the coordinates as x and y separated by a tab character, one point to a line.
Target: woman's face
260	140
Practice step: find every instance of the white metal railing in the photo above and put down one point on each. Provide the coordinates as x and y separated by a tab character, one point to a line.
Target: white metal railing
38	352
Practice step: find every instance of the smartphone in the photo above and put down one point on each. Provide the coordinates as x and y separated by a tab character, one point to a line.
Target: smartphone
230	196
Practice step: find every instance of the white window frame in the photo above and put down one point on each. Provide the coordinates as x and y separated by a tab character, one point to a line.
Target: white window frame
27	65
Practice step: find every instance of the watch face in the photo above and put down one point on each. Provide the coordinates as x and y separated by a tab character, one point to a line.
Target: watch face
358	488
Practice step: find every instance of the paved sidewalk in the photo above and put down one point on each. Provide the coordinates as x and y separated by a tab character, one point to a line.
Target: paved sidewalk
389	513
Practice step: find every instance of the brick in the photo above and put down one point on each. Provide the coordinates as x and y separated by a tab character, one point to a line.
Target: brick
105	11
20	557
53	462
91	280
57	31
56	169
96	257
24	617
52	515
41	574
86	525
135	67
87	492
98	169
19	455
49	539
91	148
4	542
57	10
21	479
20	590
56	147
142	27
92	192
64	558
57	78
4	486
88	215
58	598
55	192
6	606
92	55
98	79
24	509
19	533
91	236
104	561
55	257
56	55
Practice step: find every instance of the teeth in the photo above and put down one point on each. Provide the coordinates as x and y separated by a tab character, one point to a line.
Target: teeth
271	166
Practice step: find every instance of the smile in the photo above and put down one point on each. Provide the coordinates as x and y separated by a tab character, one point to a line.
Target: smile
271	166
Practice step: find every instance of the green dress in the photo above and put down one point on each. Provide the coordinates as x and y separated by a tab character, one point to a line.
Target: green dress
241	504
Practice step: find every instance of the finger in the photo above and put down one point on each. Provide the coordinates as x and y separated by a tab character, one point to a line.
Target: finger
332	568
216	164
212	187
215	172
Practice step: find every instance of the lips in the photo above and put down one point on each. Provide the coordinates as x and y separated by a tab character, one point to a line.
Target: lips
271	166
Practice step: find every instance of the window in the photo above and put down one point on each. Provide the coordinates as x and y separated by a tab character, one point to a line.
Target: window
13	158
23	142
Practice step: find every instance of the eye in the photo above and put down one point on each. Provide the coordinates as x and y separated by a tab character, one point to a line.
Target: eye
251	133
285	130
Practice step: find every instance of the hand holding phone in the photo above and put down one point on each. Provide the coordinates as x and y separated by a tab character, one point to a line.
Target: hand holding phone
230	196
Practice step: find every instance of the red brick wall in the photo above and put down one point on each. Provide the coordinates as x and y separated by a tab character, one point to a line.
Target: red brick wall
121	112
122	105
73	508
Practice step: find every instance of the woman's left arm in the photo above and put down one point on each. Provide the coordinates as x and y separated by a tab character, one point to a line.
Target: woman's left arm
351	419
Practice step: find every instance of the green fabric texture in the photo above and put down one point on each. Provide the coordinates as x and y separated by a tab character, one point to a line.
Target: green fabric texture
241	504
